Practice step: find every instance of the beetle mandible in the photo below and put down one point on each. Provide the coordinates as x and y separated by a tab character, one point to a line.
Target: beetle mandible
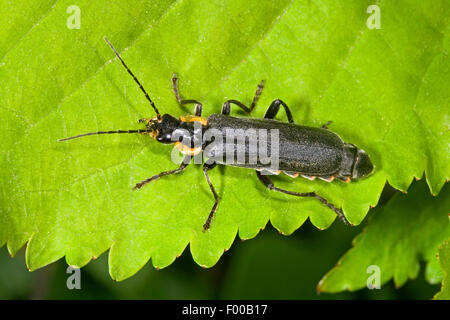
306	151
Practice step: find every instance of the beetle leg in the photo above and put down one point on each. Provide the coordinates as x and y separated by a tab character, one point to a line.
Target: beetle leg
207	167
182	166
258	92
325	125
226	107
275	107
269	184
198	105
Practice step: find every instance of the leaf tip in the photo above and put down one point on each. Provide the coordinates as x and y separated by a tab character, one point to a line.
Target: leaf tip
319	286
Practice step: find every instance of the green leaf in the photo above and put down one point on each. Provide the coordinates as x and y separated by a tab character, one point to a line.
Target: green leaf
258	269
384	90
410	228
444	261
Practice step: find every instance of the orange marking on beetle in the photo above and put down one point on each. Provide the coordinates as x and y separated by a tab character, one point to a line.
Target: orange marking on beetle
330	179
154	134
190	118
347	180
294	175
187	150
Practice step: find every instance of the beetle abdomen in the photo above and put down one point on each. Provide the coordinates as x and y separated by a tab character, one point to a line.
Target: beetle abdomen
306	150
310	151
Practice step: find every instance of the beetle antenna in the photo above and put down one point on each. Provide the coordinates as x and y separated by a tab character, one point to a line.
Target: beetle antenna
158	115
105	132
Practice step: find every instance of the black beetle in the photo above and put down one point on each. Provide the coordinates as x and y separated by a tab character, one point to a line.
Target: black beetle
306	151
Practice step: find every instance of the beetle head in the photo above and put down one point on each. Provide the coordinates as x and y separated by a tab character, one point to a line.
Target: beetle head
162	129
362	165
